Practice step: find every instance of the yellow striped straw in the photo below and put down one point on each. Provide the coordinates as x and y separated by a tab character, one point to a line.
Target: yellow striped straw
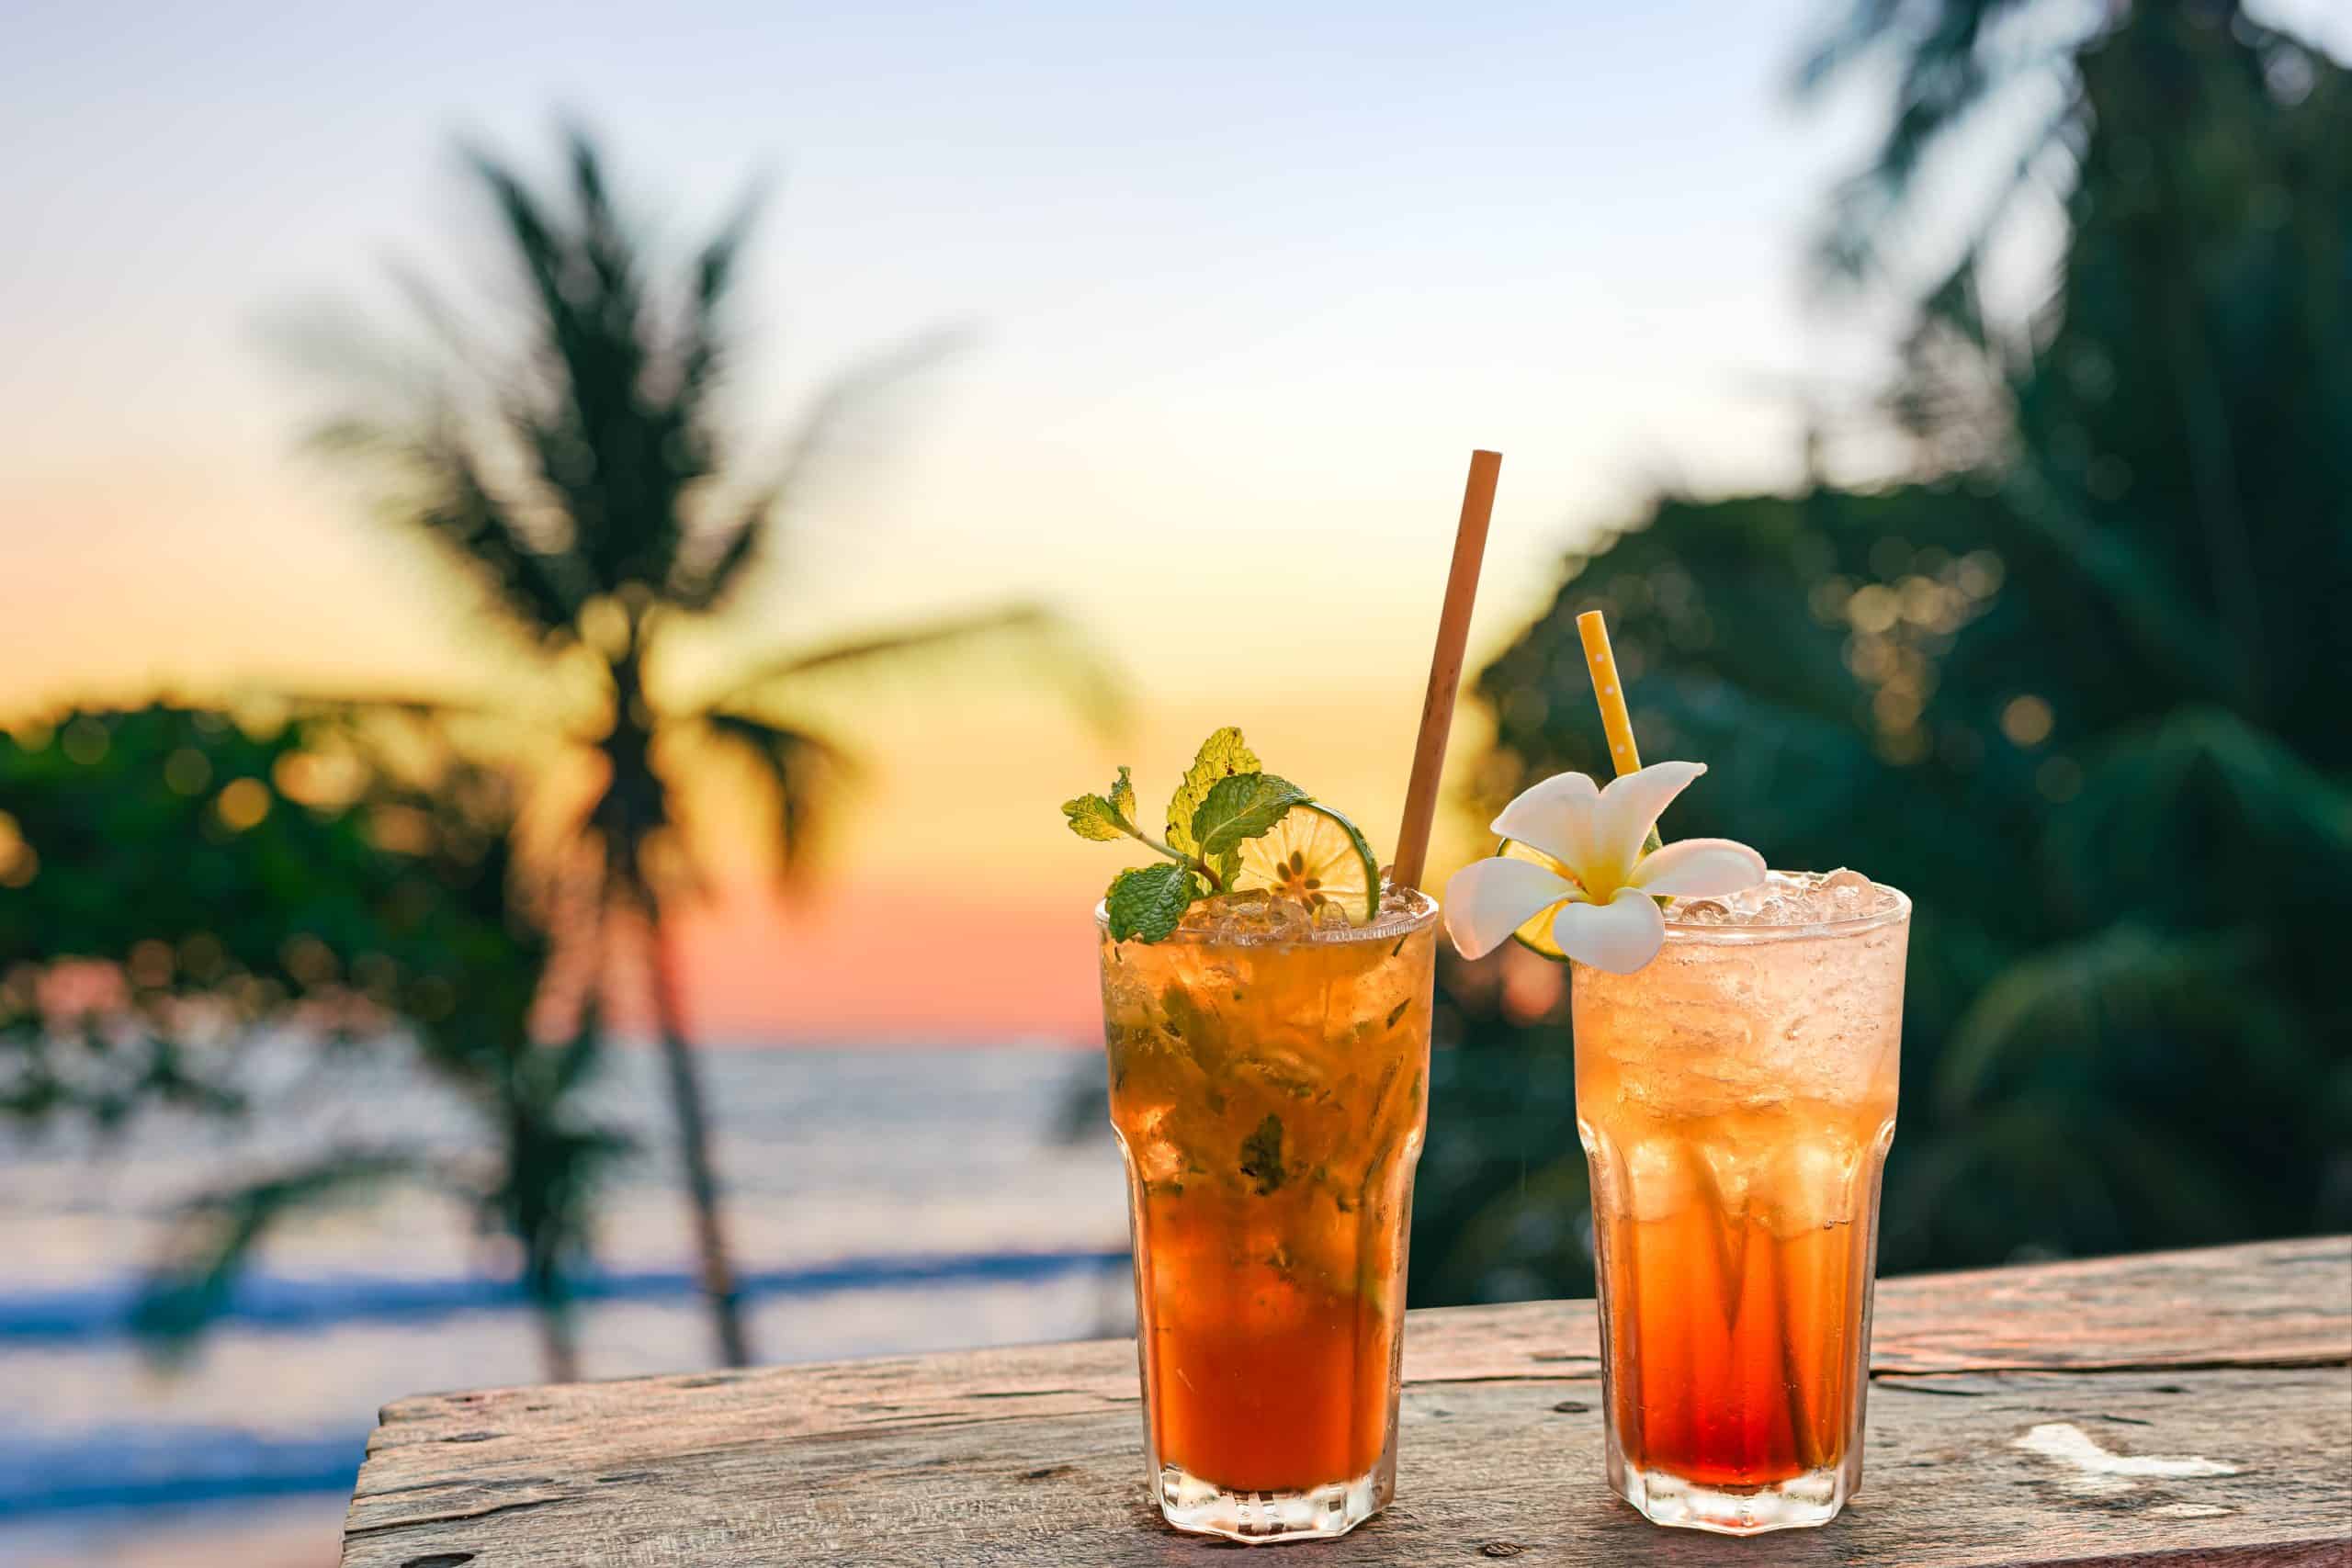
1609	690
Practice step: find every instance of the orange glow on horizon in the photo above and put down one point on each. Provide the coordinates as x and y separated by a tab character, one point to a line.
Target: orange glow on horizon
870	962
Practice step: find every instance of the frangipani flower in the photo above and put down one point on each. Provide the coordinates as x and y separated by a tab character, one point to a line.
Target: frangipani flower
1608	915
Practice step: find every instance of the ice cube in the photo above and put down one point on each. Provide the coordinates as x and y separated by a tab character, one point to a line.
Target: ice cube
1661	1176
1811	1186
1251	917
1152	1148
1699	911
1732	1170
1286	921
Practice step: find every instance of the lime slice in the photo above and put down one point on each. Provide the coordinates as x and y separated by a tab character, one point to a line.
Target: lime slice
1535	935
1314	856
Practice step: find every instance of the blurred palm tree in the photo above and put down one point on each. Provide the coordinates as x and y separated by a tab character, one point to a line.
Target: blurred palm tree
581	477
1990	110
2082	699
1956	65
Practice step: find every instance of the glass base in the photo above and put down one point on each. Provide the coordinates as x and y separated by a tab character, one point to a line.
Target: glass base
1798	1503
1256	1519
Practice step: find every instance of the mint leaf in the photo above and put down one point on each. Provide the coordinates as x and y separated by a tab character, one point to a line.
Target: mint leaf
1222	756
1261	1155
1146	903
1242	808
1094	817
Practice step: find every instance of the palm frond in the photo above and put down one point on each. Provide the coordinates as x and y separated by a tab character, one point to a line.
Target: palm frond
2165	627
802	771
402	422
1954	61
711	570
220	1232
2087	999
442	491
1041	642
617	457
2204	783
708	575
703	348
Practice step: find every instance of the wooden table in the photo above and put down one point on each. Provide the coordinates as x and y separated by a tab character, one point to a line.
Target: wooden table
2190	1408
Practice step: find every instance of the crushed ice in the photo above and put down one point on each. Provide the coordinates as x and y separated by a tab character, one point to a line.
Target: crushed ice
1791	898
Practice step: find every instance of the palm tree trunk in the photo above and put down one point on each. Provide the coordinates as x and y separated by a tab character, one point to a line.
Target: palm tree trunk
693	1141
559	1346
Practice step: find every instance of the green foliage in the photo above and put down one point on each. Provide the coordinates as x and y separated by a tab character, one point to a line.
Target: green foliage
210	879
176	883
2085	702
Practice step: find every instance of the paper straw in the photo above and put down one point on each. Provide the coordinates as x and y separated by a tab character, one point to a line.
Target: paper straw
1609	691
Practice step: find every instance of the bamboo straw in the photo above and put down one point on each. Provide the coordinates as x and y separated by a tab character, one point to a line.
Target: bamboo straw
1445	669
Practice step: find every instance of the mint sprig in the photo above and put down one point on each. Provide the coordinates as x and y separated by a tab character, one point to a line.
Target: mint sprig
1104	817
1240	807
1261	1156
1148	902
1225	800
1222	756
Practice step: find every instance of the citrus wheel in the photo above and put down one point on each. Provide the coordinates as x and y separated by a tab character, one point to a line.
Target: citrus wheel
1314	856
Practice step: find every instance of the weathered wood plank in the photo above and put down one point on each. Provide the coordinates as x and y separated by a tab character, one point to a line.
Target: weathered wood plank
1032	1454
2273	1303
1968	1469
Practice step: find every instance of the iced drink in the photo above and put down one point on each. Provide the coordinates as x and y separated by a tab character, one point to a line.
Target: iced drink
1736	1098
1269	1086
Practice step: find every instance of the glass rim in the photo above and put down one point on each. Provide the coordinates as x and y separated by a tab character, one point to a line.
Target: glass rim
1710	934
1403	922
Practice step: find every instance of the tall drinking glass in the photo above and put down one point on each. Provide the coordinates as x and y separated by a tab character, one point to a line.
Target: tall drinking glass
1269	1088
1736	1098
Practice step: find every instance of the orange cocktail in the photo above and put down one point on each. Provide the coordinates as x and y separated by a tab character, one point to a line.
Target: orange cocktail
1269	1086
1736	1099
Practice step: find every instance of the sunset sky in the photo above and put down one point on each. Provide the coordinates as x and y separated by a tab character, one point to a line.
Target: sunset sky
1241	291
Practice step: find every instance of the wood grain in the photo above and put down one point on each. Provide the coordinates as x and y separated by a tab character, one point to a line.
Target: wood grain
2241	1357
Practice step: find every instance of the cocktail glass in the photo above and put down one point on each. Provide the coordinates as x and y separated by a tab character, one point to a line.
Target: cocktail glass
1270	1089
1736	1098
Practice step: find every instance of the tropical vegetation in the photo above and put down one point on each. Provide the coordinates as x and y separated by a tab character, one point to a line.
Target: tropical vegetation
2078	687
235	877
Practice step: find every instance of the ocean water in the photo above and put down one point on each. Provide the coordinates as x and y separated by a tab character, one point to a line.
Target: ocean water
882	1200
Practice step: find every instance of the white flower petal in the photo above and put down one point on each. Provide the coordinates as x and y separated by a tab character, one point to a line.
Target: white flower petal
1619	936
1489	899
1631	806
1555	817
1699	868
